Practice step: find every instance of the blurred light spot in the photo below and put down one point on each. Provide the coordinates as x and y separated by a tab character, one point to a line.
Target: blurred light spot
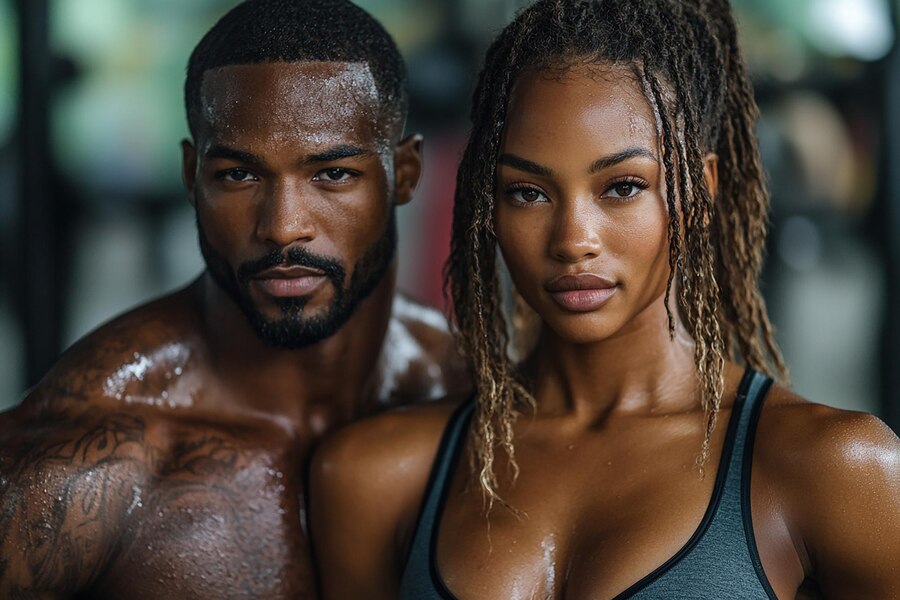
800	244
859	28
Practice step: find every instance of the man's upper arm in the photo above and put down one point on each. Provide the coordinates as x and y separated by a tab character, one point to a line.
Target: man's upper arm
67	485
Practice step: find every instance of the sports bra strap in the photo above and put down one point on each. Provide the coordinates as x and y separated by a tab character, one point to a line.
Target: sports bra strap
751	394
417	573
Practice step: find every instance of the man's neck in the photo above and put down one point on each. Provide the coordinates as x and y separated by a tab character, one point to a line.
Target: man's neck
330	381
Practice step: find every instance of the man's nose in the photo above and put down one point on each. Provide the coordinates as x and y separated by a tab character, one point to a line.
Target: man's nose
576	232
286	216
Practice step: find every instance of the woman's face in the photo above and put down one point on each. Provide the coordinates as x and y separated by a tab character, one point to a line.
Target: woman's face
580	212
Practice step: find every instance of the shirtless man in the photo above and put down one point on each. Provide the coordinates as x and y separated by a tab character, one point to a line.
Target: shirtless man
163	456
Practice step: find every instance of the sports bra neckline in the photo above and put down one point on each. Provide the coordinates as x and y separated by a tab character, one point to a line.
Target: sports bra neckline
463	415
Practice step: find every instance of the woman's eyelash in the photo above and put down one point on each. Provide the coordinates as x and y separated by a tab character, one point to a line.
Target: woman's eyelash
516	193
633	182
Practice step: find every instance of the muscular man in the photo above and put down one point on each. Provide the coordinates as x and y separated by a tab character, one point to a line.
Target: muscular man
163	456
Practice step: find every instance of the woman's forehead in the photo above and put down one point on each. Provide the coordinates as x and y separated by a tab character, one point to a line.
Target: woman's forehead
583	103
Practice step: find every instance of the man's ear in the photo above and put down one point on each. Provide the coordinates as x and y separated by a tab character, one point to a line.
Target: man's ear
711	174
189	168
407	167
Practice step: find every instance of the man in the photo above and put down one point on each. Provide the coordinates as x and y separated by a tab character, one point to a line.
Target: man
163	456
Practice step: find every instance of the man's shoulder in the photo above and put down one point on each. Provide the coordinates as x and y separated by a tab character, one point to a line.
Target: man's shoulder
88	409
103	365
421	361
427	324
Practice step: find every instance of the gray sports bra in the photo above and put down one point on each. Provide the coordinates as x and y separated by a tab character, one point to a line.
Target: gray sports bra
720	560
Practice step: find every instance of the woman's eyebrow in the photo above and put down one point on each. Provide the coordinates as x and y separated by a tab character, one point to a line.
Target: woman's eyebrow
614	159
517	162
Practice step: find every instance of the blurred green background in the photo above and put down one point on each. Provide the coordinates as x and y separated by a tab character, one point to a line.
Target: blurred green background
98	222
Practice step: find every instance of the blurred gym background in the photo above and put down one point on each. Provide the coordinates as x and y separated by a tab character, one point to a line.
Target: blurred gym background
93	218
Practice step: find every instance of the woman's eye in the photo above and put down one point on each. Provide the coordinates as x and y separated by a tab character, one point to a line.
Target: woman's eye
238	175
333	175
623	190
527	195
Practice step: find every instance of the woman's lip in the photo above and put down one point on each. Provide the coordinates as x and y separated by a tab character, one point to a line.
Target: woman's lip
580	281
289	287
583	300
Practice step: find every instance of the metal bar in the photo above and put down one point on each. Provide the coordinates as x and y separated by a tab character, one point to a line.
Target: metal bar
891	231
38	277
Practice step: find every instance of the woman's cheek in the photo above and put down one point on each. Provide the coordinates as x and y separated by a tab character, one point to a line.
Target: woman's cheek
638	230
521	247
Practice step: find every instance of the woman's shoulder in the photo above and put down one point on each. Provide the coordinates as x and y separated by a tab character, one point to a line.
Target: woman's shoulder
834	476
394	440
812	438
389	453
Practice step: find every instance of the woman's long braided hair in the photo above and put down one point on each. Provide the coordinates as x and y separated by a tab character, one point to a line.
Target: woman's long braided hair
685	55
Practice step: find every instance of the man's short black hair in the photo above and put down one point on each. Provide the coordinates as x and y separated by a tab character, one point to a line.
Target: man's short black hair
258	31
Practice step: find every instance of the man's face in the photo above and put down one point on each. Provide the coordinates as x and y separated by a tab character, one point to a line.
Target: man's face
294	182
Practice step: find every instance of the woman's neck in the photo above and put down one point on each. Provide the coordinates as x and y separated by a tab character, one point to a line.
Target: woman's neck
639	369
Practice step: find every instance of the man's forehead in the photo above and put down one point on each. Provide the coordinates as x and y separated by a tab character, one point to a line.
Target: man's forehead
316	96
353	78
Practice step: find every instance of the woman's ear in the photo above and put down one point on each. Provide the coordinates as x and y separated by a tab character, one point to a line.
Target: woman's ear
711	173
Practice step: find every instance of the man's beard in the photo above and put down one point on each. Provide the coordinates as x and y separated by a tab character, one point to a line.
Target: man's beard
295	330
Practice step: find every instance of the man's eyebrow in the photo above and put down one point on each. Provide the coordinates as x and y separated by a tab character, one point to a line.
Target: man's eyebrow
337	153
220	151
517	162
618	157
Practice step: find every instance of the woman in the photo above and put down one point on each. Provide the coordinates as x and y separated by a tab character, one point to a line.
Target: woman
613	163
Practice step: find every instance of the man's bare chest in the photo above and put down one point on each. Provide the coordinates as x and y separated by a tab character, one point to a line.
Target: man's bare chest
219	516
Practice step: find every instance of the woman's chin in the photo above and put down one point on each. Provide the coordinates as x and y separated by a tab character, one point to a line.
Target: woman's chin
583	329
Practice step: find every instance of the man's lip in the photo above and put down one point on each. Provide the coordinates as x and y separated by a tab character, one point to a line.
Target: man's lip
579	281
290	287
291	272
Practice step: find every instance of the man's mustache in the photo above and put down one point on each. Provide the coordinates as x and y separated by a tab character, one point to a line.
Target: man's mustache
298	256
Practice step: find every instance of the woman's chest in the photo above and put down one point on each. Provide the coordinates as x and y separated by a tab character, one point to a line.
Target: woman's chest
578	535
592	523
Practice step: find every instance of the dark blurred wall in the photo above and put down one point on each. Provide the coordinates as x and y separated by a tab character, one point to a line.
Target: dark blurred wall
121	231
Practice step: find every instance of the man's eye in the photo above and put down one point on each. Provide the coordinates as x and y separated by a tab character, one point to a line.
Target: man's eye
237	175
333	175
